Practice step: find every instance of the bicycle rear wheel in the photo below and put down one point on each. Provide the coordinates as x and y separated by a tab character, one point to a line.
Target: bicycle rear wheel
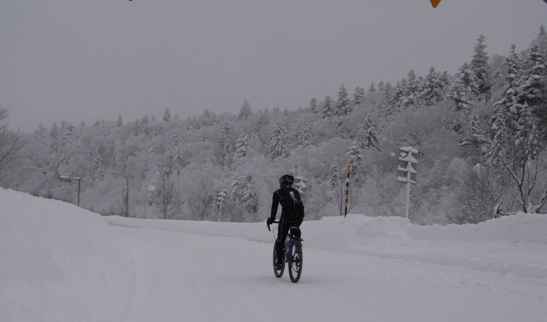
295	261
278	271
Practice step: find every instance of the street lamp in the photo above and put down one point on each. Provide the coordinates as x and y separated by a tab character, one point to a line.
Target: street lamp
71	179
126	200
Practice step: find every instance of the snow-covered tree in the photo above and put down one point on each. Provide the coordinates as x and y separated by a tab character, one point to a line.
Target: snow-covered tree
174	158
463	89
480	69
244	194
327	110
119	123
167	115
304	137
278	142
167	195
354	155
334	174
368	135
518	140
203	134
476	135
431	92
359	95
10	144
245	112
207	118
411	90
241	146
225	145
343	106
313	106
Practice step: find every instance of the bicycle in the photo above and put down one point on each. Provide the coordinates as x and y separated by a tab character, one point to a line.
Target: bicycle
293	255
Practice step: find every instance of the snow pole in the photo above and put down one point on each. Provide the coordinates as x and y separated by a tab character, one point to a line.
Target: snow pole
347	190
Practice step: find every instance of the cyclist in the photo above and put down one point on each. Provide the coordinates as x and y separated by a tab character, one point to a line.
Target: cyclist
287	196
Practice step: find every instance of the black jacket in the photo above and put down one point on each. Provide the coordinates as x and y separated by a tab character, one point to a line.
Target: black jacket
282	196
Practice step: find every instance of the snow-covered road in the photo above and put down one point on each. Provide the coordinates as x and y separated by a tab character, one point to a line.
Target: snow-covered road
195	277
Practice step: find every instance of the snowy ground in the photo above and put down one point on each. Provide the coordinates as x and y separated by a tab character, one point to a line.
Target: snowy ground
62	263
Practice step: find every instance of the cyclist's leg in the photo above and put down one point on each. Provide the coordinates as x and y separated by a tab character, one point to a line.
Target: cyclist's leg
282	232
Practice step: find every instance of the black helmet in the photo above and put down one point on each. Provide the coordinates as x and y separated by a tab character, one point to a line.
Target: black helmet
286	179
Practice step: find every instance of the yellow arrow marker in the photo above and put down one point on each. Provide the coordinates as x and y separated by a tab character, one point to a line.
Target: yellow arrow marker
435	3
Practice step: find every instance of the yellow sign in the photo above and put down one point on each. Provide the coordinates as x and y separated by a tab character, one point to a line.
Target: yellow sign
435	3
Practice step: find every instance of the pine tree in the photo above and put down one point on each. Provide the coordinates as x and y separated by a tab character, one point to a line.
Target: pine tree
342	105
358	96
174	158
313	106
54	132
431	92
476	135
334	174
517	142
304	137
532	101
354	155
245	112
411	90
203	134
243	193
207	118
507	114
479	66
327	111
541	39
368	135
462	89
396	100
278	142
241	146
137	129
119	123
225	145
167	115
381	86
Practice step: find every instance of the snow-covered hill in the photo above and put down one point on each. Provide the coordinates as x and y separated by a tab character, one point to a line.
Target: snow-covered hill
63	263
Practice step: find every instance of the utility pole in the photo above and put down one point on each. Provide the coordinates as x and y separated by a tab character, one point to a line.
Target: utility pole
406	172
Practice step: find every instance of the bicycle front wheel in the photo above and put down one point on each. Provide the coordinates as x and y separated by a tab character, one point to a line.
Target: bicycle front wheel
295	261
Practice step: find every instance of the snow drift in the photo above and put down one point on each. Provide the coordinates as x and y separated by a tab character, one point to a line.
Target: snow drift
57	256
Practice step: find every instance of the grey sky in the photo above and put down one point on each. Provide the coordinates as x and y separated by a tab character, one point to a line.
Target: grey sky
87	60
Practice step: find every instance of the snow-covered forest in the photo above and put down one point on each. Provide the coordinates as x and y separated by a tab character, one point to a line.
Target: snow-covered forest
481	136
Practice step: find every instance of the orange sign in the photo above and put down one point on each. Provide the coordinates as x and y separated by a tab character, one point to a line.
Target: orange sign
435	3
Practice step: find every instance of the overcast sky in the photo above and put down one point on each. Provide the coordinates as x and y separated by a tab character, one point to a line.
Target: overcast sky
88	60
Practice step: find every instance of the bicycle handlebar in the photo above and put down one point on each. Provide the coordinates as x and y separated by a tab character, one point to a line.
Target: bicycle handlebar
274	222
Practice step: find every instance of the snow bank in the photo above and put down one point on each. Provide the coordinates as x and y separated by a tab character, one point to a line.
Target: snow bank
59	263
510	245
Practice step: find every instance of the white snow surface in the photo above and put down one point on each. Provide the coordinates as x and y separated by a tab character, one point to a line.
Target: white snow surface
63	263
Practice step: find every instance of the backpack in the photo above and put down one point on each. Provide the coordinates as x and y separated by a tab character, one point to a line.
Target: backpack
297	210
